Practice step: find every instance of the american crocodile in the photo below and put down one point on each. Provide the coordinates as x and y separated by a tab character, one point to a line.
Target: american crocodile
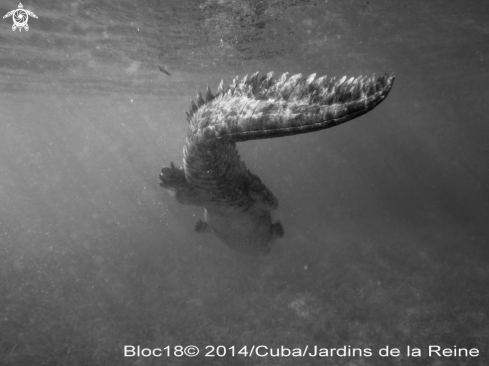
237	205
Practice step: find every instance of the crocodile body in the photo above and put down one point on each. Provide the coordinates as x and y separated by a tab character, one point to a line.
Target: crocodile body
237	204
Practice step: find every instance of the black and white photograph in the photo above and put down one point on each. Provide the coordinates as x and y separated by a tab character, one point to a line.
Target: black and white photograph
244	183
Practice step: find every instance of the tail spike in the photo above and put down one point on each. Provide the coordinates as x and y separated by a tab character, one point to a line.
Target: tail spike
310	79
234	84
200	100
220	88
319	81
208	95
243	81
193	108
267	80
254	79
282	78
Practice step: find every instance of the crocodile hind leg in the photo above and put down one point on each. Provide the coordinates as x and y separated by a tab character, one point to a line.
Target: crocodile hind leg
202	227
173	179
277	230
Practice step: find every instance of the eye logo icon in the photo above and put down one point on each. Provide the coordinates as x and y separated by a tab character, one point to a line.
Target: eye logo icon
20	17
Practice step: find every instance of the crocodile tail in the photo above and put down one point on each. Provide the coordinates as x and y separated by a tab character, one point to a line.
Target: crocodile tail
258	108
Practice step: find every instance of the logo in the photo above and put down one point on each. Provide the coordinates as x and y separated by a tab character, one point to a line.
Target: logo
20	17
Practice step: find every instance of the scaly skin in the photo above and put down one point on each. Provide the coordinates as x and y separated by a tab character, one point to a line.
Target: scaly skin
237	204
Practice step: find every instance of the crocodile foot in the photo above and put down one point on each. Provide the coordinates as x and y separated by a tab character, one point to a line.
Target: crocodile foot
277	230
172	178
202	227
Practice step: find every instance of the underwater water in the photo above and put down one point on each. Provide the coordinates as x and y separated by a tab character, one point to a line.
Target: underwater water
385	217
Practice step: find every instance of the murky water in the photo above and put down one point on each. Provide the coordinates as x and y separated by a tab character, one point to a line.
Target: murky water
385	217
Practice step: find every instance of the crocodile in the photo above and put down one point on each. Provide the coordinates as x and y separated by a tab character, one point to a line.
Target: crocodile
237	205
